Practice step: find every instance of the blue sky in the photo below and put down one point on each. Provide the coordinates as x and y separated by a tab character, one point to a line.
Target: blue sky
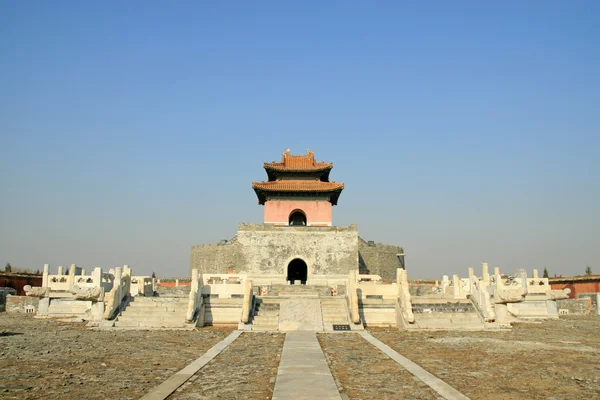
466	132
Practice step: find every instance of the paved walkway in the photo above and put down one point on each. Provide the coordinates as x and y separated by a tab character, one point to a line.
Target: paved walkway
303	371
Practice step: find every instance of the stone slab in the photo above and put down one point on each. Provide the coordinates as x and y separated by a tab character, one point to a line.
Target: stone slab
303	371
441	387
165	389
300	315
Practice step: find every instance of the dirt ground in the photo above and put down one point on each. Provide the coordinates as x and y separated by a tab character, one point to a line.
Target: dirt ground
362	372
246	369
46	359
557	359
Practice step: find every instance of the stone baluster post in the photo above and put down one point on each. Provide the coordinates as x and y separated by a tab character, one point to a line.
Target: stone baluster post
485	275
97	277
456	286
60	270
472	278
71	278
45	276
83	272
536	274
445	283
117	284
496	271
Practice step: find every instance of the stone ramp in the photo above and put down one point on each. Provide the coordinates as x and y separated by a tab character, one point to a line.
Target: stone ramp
303	371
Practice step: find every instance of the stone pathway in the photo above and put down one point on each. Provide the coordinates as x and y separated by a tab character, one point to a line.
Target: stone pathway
303	372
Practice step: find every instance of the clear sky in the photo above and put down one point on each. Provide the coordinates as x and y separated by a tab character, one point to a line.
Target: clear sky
466	132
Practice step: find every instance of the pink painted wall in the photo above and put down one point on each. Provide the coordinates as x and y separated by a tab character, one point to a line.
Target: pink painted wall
317	212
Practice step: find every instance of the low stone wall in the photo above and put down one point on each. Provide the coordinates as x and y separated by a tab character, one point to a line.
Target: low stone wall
582	306
22	304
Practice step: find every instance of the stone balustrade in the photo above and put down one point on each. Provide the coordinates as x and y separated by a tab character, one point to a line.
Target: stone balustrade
195	296
120	290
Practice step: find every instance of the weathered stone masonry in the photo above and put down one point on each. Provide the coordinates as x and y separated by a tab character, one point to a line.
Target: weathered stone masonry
380	259
268	249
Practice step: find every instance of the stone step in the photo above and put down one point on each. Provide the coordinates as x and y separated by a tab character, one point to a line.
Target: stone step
262	318
265	328
148	324
156	319
154	314
158	299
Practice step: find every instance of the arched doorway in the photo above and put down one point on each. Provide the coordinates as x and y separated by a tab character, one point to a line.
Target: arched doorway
298	218
297	271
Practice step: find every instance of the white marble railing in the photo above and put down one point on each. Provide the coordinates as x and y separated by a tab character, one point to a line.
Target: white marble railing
404	298
352	296
120	290
195	296
141	286
247	304
480	294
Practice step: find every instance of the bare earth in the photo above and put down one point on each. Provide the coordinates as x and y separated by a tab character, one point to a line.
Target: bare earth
45	359
246	369
362	372
550	360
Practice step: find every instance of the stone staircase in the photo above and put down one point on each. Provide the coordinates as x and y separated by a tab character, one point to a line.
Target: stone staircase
301	307
154	312
66	307
334	312
266	315
436	313
303	291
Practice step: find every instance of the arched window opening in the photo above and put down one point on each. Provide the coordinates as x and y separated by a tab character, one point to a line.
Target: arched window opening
298	218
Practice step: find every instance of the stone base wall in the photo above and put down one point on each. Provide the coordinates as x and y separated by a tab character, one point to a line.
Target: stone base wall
22	304
380	259
268	249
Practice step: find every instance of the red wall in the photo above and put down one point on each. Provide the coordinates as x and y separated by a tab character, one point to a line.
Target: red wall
577	287
17	281
318	212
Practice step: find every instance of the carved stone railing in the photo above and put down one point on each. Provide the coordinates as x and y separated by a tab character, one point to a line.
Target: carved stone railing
120	290
141	286
404	298
480	294
353	297
247	304
195	297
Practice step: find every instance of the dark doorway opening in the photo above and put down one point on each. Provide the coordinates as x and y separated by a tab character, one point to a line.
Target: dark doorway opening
297	271
298	218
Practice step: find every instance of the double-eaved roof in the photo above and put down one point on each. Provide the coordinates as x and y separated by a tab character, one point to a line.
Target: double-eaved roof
298	174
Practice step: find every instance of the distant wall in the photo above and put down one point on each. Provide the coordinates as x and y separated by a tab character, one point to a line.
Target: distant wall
268	249
18	281
380	259
576	286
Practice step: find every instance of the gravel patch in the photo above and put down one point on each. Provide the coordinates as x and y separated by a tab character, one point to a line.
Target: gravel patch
47	359
246	369
362	371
